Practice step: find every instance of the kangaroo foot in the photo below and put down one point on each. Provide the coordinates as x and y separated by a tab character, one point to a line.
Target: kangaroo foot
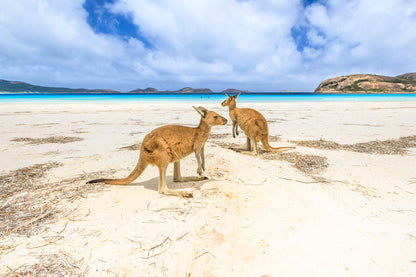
187	194
179	193
190	179
199	171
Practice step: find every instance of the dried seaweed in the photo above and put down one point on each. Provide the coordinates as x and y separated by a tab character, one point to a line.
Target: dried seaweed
219	136
202	254
28	203
60	264
79	131
386	147
19	180
232	146
135	133
45	124
55	139
309	164
150	252
133	147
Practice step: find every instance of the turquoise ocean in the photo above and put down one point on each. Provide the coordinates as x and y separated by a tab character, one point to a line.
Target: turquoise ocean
196	97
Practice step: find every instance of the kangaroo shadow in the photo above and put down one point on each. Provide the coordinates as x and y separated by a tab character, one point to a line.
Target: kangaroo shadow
152	184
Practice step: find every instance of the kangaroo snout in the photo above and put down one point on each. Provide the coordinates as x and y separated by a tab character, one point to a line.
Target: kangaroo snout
221	120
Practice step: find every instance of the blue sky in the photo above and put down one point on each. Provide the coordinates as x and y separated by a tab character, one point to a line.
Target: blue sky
267	45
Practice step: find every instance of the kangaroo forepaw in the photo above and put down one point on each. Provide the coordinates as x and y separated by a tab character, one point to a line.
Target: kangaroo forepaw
199	171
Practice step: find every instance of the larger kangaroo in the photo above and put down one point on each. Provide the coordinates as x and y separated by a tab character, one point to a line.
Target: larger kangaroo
169	144
253	124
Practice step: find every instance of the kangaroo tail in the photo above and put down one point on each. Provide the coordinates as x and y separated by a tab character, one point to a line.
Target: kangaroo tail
137	171
269	148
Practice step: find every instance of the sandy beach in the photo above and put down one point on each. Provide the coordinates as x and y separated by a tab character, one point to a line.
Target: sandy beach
341	204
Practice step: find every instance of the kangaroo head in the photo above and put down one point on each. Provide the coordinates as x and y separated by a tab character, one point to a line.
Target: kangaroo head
230	101
210	117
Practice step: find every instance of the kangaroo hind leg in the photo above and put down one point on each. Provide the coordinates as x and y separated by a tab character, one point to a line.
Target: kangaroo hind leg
163	188
177	177
248	144
256	151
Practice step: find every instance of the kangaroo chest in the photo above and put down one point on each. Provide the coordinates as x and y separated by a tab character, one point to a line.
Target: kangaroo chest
233	115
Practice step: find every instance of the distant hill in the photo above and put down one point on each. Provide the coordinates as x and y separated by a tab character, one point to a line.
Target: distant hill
191	90
183	90
146	90
409	76
233	90
21	87
367	83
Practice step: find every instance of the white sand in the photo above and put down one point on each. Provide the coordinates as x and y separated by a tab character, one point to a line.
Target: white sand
253	217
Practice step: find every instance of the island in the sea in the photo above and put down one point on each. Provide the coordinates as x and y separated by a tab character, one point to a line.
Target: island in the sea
183	90
22	87
367	83
356	83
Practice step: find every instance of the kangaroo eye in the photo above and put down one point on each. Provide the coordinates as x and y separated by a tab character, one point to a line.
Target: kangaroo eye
215	116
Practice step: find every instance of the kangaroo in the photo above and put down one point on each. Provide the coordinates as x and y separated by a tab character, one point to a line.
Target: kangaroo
253	124
170	144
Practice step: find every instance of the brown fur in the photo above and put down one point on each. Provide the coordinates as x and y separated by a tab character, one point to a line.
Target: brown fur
169	144
253	124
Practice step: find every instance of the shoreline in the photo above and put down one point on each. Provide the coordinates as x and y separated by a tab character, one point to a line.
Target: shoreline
245	98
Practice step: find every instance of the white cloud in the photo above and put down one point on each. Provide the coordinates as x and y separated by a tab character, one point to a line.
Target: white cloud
217	37
50	42
371	36
206	43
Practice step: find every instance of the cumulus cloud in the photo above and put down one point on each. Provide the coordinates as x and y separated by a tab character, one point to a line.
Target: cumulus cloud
371	36
216	39
256	45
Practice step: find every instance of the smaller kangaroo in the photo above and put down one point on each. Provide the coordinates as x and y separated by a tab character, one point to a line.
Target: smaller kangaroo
253	124
170	144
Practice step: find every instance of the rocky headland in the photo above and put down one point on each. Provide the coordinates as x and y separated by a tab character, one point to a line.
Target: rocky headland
368	83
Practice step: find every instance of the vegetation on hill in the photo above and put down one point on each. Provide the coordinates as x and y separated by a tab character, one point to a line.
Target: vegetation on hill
409	76
146	90
366	83
21	87
18	87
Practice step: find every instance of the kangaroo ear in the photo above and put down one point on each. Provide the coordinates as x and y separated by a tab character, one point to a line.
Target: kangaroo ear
202	111
228	95
235	96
